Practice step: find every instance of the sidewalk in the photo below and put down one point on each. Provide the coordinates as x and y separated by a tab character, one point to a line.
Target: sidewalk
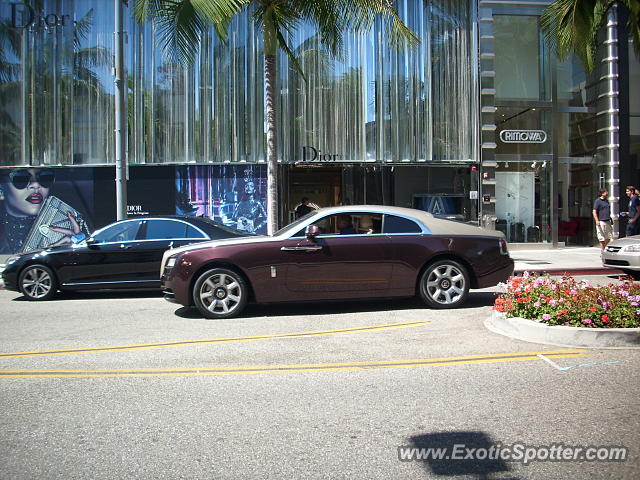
573	260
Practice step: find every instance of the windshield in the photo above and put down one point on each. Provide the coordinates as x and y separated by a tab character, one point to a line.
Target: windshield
293	227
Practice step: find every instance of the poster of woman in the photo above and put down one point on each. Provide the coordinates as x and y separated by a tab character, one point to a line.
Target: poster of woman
43	207
231	194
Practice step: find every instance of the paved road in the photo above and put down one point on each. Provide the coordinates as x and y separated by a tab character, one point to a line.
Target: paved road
130	386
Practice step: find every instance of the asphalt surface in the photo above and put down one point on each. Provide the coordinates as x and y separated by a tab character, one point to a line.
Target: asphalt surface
130	386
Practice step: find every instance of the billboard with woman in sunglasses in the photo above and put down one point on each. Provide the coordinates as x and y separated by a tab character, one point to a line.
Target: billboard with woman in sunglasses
42	207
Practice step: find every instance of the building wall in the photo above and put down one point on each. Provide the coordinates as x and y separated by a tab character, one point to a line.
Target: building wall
373	103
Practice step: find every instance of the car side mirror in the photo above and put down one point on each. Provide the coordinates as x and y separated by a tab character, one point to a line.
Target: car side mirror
91	241
312	231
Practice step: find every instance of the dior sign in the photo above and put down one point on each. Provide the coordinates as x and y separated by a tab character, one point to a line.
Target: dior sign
523	136
311	154
25	16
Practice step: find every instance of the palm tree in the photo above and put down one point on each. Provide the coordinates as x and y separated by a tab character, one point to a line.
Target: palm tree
182	23
571	26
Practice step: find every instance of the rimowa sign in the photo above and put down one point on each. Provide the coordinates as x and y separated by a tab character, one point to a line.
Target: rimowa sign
523	136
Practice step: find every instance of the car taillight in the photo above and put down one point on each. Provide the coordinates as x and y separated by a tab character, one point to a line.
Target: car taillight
503	247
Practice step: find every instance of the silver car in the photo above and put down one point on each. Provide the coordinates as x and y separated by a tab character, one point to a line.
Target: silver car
624	254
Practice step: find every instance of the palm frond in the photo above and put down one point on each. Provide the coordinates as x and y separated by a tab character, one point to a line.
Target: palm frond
327	17
82	28
93	57
359	15
571	26
292	58
180	24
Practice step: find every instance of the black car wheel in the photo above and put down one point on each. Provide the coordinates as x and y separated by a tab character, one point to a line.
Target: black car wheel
444	284
220	293
38	282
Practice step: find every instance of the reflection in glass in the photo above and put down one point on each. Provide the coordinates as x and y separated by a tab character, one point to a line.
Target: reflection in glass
56	100
521	62
374	103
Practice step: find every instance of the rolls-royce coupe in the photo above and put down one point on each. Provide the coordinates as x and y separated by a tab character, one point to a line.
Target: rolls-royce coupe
339	253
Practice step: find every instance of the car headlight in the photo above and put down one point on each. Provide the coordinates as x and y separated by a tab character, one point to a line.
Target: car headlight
11	260
635	248
171	262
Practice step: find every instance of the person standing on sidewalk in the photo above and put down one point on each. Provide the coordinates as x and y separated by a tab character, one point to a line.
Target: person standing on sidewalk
602	217
634	211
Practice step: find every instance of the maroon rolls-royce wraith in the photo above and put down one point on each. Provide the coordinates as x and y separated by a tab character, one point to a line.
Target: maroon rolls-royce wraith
339	253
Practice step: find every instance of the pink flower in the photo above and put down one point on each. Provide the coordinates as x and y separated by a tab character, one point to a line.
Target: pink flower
546	316
536	304
553	302
587	321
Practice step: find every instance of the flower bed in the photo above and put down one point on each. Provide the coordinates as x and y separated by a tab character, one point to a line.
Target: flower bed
569	302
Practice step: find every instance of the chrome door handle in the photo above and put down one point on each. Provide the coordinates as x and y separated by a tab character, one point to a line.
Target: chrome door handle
300	248
125	247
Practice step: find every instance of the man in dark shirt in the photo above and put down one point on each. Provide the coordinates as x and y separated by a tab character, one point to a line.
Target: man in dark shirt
302	209
634	211
602	218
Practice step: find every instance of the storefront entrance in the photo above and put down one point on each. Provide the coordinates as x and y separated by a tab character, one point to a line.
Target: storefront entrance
448	191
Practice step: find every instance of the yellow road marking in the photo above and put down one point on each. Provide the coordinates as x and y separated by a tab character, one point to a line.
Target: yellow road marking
261	369
209	341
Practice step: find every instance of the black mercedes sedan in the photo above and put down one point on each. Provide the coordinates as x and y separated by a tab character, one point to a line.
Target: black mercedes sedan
123	255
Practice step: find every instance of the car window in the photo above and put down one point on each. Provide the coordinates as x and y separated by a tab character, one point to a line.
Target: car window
292	226
192	232
120	232
394	224
357	223
166	229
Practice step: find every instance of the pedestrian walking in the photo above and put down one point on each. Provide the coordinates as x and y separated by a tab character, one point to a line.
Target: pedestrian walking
634	211
602	218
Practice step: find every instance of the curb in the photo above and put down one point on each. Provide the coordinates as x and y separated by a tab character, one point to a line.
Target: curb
562	336
572	271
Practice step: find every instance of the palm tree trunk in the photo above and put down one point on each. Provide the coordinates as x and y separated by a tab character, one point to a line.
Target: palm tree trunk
270	49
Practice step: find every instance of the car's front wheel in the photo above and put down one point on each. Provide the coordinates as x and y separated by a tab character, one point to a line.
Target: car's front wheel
444	284
220	293
38	282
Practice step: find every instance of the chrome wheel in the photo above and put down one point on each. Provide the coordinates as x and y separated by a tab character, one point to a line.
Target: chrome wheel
220	293
444	284
38	283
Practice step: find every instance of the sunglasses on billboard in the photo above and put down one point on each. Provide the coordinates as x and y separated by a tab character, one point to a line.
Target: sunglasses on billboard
22	178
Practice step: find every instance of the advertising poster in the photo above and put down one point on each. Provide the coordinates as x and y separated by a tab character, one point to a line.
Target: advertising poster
235	195
42	207
150	191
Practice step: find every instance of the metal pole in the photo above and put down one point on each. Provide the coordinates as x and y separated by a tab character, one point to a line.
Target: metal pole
120	132
612	128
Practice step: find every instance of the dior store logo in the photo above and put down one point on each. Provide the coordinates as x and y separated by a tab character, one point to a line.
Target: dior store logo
26	17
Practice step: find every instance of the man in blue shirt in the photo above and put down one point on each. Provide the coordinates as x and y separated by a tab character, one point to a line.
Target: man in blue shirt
602	217
634	211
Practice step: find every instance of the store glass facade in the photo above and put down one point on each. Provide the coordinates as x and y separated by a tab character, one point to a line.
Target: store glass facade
544	184
372	104
438	128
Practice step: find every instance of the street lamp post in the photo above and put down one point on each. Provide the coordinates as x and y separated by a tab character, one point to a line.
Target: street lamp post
120	114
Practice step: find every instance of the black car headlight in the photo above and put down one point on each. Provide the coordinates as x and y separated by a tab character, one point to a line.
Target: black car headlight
12	260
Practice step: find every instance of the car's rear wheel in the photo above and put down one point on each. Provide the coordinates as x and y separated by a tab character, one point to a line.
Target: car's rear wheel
38	282
220	293
444	284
